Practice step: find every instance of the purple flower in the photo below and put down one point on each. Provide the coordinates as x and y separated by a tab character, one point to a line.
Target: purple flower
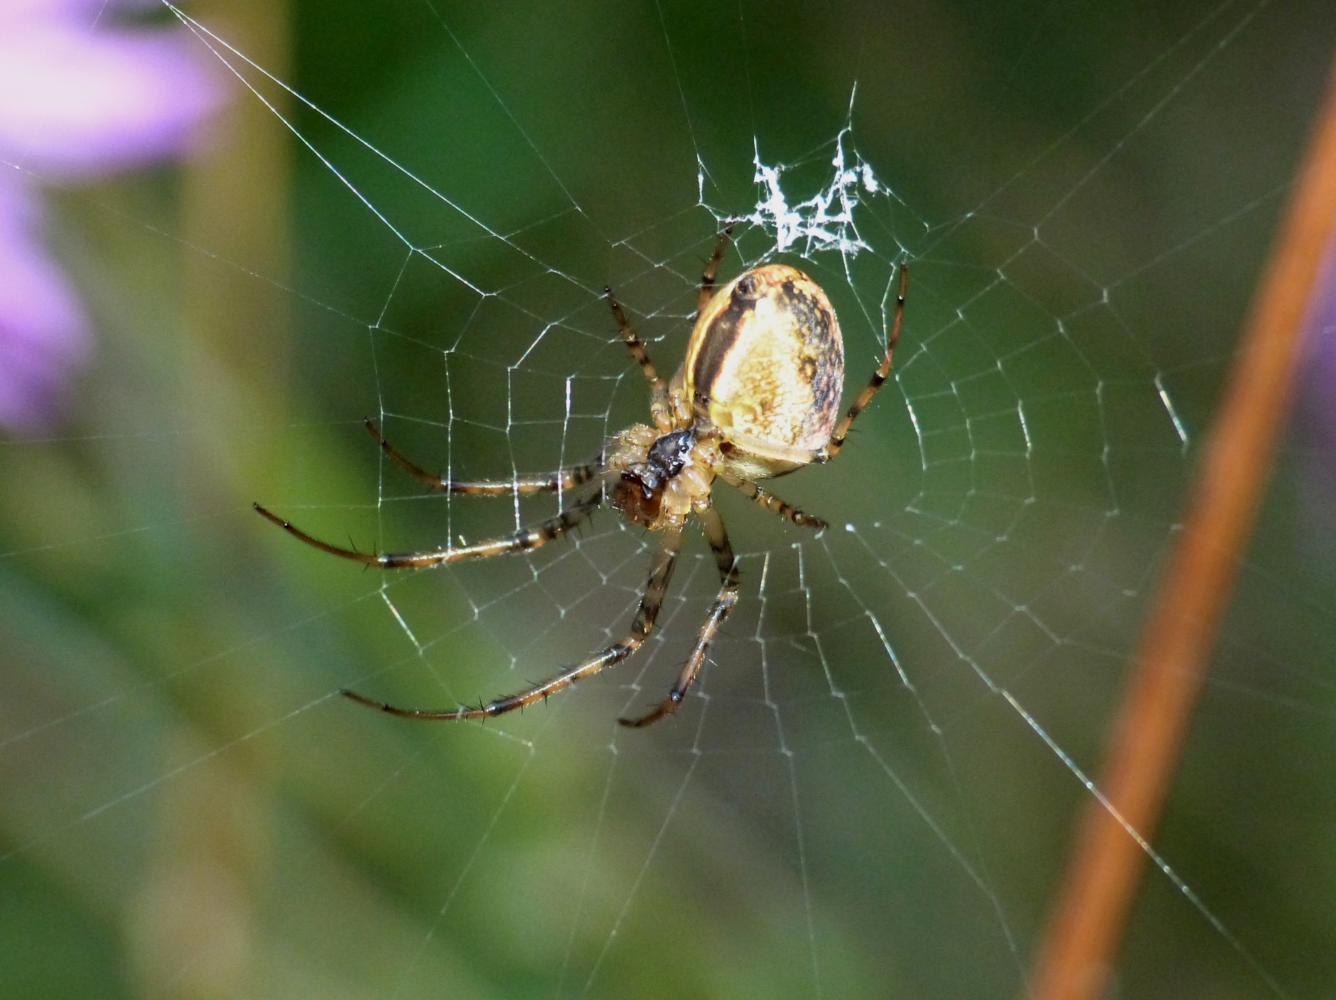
80	96
1316	419
1320	370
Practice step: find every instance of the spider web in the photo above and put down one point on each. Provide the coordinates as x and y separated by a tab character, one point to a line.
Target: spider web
871	789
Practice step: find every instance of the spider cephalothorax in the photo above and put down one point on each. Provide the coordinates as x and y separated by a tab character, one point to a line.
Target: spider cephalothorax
757	396
649	473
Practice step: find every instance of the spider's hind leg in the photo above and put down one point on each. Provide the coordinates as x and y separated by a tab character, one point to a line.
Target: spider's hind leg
841	432
552	482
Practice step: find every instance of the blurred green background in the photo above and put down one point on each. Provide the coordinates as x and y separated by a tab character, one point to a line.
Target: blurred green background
854	808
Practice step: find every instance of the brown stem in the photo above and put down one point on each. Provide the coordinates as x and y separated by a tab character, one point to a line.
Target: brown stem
1170	662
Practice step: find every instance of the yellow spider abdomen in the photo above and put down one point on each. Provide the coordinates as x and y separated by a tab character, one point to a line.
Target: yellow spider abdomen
765	365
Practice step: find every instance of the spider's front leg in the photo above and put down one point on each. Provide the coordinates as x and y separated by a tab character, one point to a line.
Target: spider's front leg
722	607
658	406
706	291
521	541
651	602
553	482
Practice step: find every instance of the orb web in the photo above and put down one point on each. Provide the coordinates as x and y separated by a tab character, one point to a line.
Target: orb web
877	770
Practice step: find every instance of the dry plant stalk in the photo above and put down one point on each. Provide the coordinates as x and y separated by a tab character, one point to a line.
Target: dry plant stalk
1170	664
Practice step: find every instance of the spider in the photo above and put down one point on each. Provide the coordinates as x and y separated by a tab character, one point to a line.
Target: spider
758	396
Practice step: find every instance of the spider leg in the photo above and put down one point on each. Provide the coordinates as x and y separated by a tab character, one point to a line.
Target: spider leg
878	377
658	407
521	541
771	502
721	608
711	270
553	482
650	603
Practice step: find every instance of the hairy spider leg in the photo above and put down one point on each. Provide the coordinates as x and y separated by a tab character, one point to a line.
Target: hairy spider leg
883	372
552	482
706	291
651	601
752	491
721	608
658	406
521	541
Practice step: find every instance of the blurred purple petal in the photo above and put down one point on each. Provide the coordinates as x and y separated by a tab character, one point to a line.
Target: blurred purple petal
1316	416
1319	372
44	333
19	10
79	102
80	95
